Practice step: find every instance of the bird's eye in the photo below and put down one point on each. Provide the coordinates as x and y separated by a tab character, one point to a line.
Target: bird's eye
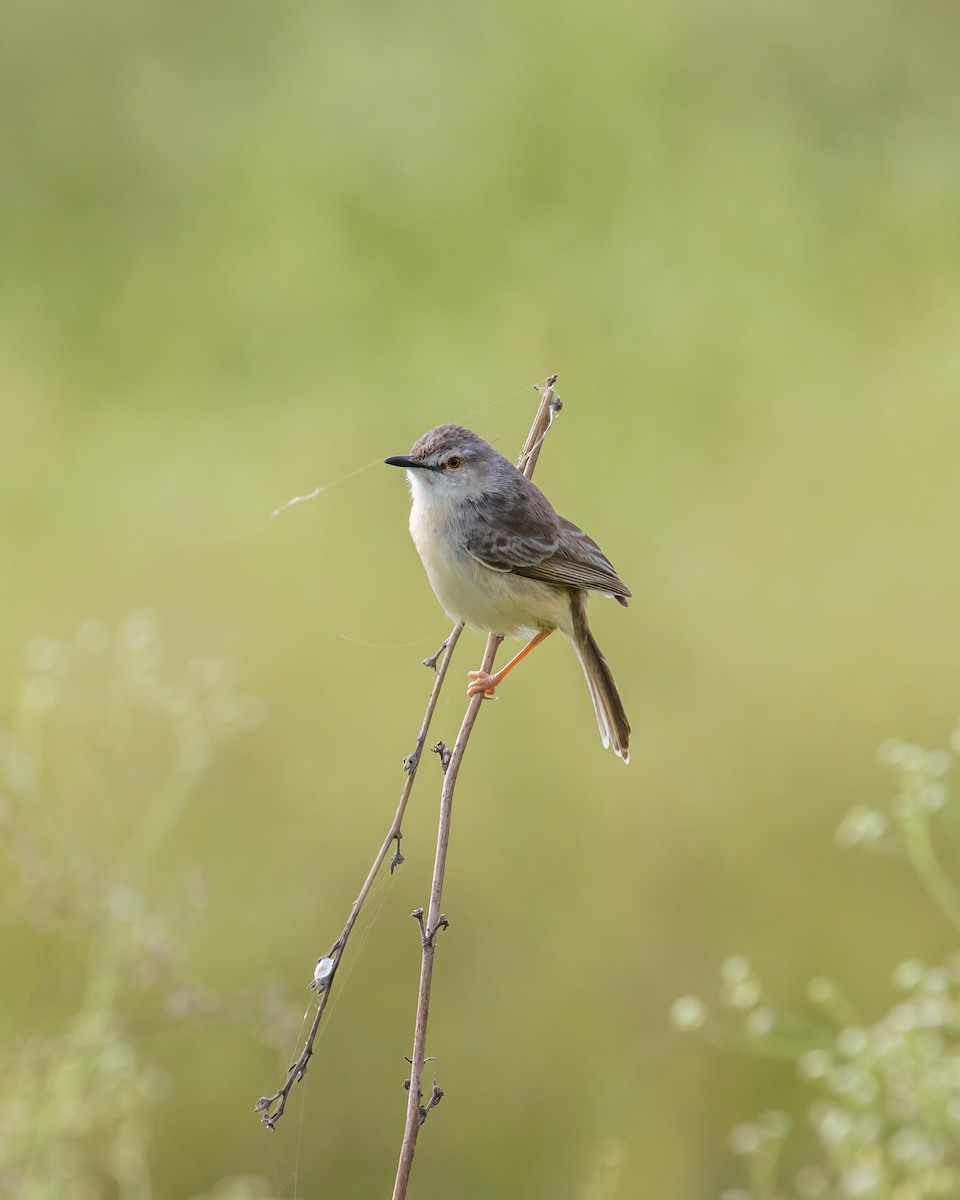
453	462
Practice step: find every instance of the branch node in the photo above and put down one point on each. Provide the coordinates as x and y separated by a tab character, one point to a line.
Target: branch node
432	661
417	914
275	1105
398	858
442	923
435	1097
445	755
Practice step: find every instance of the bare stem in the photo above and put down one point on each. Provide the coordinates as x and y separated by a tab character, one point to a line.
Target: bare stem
416	1111
272	1106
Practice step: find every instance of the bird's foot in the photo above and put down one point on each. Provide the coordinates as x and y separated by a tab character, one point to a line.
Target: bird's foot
482	682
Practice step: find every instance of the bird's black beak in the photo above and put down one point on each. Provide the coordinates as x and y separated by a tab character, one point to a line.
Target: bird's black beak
403	460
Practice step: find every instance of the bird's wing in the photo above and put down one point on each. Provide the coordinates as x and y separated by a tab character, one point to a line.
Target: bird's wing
578	562
526	537
513	531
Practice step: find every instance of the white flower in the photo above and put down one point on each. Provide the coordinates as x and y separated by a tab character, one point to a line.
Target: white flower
735	970
688	1013
814	1064
908	975
861	1180
746	1139
761	1022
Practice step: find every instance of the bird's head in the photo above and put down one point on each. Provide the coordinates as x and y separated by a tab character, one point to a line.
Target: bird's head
449	462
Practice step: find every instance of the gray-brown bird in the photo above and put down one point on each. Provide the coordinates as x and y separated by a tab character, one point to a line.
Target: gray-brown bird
501	559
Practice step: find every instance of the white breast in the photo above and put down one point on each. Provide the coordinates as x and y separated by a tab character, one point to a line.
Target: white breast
495	601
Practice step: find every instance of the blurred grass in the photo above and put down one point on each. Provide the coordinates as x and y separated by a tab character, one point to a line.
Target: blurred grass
247	250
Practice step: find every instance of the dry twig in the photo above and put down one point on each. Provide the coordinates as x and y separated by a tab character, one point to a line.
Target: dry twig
416	1110
272	1107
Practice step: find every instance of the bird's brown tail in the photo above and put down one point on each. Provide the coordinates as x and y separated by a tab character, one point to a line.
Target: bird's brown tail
614	726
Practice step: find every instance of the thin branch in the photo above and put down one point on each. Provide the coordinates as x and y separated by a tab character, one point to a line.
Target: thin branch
416	1111
272	1107
550	405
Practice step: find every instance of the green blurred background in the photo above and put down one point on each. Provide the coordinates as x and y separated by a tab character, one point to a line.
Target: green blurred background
247	249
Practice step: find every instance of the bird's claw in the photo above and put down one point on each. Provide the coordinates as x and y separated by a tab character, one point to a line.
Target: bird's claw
482	682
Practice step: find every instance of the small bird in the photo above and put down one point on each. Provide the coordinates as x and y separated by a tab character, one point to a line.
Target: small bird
501	559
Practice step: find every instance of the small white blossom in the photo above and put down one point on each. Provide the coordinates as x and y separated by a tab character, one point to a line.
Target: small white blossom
814	1064
908	975
938	762
688	1013
821	990
912	1149
761	1022
742	996
735	970
835	1126
852	1041
861	1180
746	1139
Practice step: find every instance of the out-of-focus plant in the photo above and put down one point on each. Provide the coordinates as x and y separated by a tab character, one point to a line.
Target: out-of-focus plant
100	753
886	1112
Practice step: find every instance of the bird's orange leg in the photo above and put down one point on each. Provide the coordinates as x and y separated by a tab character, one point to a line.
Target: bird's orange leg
482	682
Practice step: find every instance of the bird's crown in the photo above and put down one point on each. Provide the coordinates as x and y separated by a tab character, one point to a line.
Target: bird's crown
443	439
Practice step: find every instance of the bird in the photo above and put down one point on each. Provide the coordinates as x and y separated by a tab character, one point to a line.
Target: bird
500	558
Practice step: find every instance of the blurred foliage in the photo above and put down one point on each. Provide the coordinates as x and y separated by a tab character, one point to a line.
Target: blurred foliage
887	1113
248	250
80	1090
